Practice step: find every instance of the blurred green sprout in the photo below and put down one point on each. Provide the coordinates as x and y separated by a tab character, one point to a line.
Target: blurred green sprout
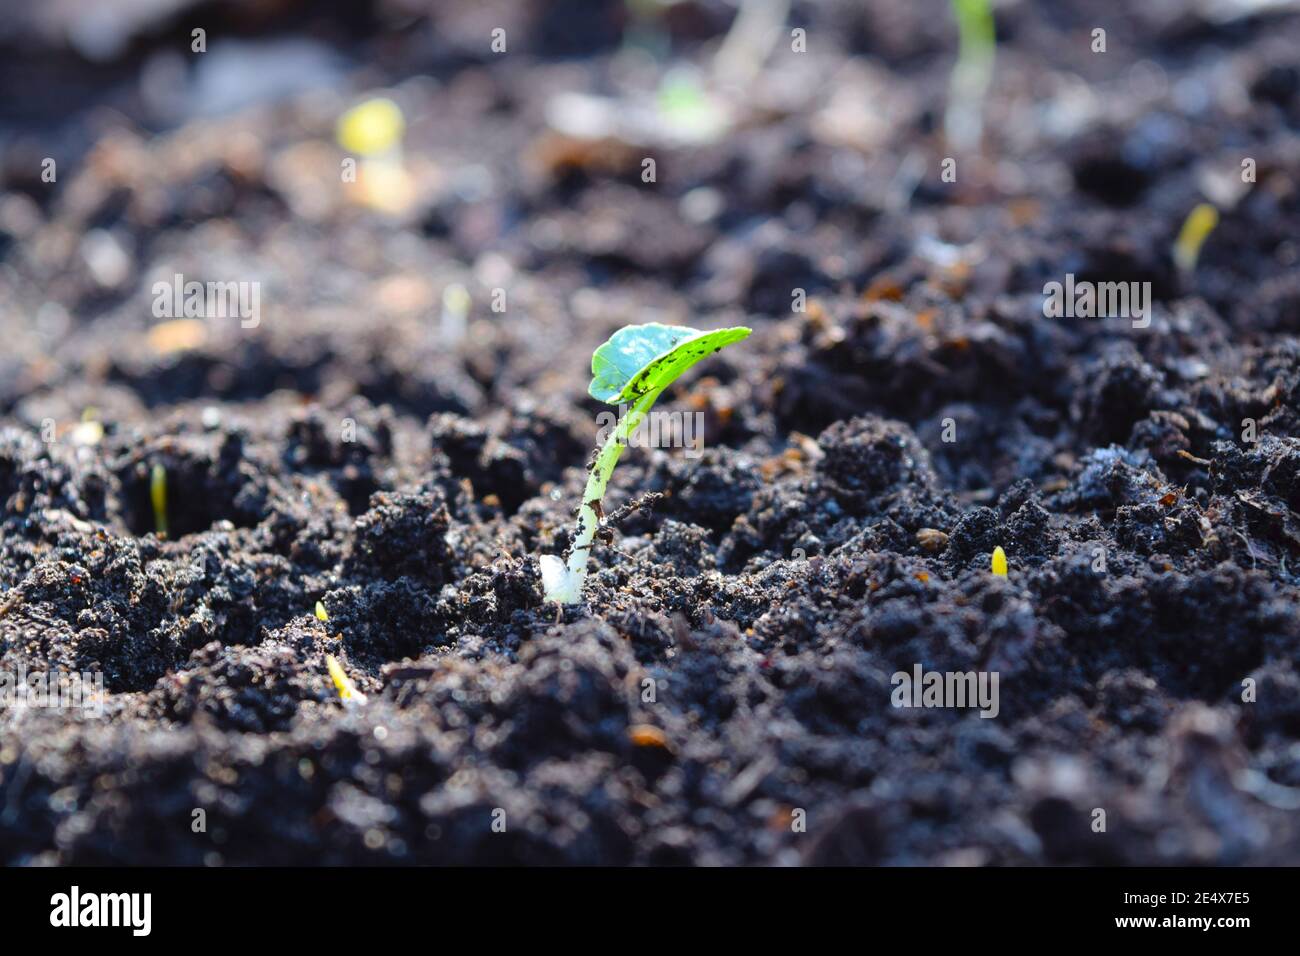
963	121
634	366
158	498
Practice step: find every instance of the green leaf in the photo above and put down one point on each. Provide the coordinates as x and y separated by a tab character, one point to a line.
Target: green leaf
642	358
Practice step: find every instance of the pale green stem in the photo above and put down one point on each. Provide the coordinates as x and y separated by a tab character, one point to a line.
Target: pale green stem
597	481
567	588
158	495
971	77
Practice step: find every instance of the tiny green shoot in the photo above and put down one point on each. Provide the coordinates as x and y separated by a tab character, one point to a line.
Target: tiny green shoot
1198	225
321	614
89	431
999	562
158	496
973	73
633	367
456	304
347	691
374	131
753	35
683	101
372	128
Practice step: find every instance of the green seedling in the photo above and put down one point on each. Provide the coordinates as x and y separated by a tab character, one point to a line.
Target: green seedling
683	102
158	496
372	128
89	431
753	35
973	73
347	690
456	304
321	614
999	562
374	131
633	368
1198	225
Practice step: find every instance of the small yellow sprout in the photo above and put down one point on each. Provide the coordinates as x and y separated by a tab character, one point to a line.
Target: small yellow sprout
88	431
158	496
373	130
999	562
342	683
456	304
1198	225
373	127
688	110
321	613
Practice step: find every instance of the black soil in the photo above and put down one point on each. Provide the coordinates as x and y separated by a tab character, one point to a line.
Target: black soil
724	695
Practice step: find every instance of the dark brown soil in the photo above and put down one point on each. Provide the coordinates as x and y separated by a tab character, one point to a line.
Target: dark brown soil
732	664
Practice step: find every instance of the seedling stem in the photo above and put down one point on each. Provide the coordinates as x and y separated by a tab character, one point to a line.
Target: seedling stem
635	365
594	494
158	497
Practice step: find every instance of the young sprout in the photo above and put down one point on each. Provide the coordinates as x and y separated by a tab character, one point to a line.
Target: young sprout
455	313
999	562
1198	225
158	496
687	110
88	431
753	35
374	130
633	367
971	76
342	683
321	614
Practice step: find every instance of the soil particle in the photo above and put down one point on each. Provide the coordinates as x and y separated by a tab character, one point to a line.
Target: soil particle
404	535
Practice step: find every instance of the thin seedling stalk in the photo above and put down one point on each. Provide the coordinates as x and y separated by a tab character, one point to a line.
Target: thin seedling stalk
635	365
594	493
973	73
